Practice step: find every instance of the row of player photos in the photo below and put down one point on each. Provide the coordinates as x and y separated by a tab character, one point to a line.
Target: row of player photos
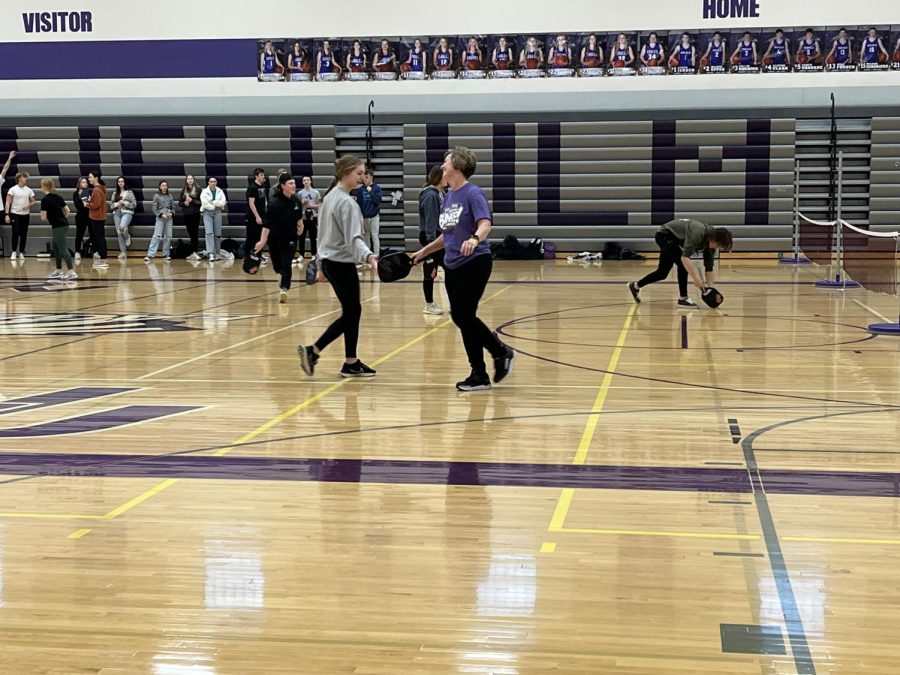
401	47
306	50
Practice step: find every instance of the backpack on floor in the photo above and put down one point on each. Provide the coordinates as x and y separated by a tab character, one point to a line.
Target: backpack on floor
549	250
181	249
612	251
230	245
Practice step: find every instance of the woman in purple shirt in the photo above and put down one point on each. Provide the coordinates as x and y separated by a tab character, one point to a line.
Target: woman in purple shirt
465	224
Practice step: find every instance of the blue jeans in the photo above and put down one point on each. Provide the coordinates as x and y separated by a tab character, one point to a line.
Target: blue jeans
163	230
122	221
212	225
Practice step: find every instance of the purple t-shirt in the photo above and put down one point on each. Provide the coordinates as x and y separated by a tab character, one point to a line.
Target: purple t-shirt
462	210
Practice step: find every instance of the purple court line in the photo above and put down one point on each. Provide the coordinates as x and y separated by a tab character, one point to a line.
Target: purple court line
59	397
401	472
684	334
99	421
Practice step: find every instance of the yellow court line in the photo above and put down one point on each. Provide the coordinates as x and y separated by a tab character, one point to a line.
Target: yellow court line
127	506
52	516
240	344
548	547
590	428
661	533
844	540
115	513
562	508
78	534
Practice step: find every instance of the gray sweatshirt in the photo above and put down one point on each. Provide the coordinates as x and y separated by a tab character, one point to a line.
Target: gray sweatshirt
163	204
341	229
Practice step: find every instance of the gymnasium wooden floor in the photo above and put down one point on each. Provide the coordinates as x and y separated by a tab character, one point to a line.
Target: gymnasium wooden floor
651	491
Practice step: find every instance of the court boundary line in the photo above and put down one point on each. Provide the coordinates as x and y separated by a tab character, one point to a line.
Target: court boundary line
564	501
240	344
152	492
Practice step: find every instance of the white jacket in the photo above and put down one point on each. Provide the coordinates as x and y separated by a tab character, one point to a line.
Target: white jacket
207	203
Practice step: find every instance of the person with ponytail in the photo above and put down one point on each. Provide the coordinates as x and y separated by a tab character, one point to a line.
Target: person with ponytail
341	247
431	199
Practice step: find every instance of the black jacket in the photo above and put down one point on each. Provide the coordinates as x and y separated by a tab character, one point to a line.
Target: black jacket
282	217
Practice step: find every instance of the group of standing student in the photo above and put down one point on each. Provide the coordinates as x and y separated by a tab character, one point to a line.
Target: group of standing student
465	223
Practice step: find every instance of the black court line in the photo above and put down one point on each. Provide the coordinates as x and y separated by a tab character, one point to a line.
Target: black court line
44	349
730	501
684	332
733	554
735	431
790	611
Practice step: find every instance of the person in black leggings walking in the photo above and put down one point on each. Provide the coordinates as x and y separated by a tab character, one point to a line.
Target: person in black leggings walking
465	222
430	200
82	216
341	247
678	240
282	225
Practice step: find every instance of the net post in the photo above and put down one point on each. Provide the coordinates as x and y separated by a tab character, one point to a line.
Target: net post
796	259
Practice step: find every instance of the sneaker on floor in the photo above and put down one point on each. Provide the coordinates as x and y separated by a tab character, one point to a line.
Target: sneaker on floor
96	256
21	255
211	257
635	291
70	276
687	302
168	258
358	369
193	256
13	255
147	258
55	274
282	295
78	257
308	359
475	382
122	256
503	365
432	308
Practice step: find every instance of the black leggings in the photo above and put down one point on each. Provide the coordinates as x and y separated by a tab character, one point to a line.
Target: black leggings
19	231
98	237
465	286
282	258
310	228
345	282
670	253
192	224
429	267
82	223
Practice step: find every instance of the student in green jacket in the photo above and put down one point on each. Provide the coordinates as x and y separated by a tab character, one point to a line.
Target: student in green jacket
678	240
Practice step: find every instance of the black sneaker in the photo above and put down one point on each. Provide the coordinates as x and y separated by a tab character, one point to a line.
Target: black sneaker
358	369
475	382
503	365
308	359
687	302
635	291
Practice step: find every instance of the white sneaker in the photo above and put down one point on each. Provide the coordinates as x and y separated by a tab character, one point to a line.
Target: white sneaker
211	257
167	259
21	256
432	308
193	256
70	276
13	255
77	257
55	274
96	256
147	258
122	256
282	296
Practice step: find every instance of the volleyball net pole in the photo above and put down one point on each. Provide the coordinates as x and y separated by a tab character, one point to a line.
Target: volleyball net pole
796	258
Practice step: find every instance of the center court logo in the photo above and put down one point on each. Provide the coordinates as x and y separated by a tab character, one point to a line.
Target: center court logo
102	324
